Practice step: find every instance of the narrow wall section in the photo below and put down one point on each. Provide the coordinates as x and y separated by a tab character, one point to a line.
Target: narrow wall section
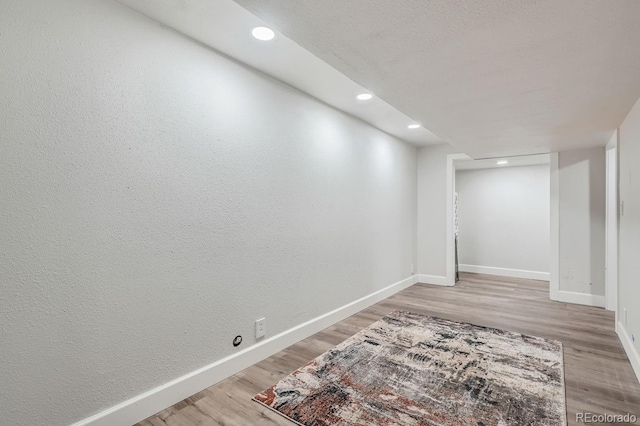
432	210
582	223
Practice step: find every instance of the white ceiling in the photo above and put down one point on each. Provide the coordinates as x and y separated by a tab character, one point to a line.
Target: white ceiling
492	77
226	27
491	163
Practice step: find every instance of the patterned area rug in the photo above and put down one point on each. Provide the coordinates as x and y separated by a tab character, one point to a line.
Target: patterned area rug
409	369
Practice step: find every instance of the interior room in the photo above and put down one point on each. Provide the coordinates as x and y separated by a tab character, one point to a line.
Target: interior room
503	216
243	212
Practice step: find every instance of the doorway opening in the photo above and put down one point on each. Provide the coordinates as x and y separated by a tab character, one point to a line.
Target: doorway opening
507	217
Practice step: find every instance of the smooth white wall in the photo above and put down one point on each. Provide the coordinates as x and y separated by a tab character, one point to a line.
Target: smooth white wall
504	217
582	220
158	198
432	209
629	234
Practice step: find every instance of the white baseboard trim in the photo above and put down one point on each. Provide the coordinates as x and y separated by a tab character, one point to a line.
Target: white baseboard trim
505	272
144	405
581	298
435	280
629	348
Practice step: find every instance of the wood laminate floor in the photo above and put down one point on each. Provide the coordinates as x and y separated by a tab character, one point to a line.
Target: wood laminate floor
598	375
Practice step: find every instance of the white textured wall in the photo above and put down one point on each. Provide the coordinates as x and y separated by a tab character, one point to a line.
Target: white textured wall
504	217
432	209
582	220
629	232
157	198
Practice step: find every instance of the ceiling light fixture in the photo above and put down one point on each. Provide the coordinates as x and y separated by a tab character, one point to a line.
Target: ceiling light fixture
413	126
263	33
364	96
503	162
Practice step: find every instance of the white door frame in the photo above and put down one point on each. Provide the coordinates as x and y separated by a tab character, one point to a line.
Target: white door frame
611	220
554	255
451	188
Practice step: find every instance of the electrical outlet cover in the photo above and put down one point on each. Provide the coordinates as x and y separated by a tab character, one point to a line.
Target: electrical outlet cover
260	328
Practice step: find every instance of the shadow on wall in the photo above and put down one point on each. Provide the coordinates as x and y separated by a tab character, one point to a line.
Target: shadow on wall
582	220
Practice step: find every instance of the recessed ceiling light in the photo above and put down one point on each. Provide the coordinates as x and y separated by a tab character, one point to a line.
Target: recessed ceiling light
364	96
413	126
263	33
503	162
